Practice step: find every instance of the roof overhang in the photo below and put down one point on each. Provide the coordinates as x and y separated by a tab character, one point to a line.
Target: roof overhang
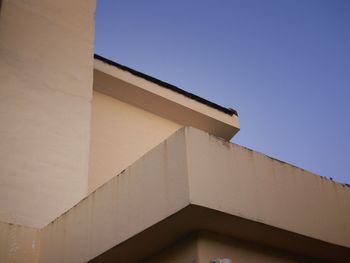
193	219
163	99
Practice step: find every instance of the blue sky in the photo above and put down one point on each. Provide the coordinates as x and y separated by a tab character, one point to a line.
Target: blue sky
283	65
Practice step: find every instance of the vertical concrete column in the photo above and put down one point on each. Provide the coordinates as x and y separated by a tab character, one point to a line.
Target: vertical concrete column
46	74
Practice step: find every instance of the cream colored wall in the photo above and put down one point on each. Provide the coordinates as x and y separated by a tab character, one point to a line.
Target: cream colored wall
169	180
46	70
19	244
212	246
204	247
248	184
121	134
150	190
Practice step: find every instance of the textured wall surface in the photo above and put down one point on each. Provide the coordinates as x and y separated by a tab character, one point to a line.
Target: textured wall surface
19	244
121	134
46	70
194	168
212	246
151	189
203	247
242	182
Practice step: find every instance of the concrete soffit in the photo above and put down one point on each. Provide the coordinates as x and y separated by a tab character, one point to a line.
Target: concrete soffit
174	190
171	103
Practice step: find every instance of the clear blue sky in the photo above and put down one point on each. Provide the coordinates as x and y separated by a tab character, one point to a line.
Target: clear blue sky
283	65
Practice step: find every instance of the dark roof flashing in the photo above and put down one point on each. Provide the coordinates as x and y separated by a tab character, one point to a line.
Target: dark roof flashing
166	85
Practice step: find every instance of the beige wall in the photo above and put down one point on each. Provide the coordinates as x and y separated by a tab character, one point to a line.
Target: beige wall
121	134
212	246
245	183
19	243
174	185
150	190
192	168
206	246
46	69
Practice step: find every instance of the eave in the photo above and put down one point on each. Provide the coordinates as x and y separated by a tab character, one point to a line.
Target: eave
195	219
163	99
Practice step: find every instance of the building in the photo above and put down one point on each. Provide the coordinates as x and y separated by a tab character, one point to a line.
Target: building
102	163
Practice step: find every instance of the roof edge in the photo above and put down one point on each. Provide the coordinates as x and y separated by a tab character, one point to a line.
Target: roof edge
166	85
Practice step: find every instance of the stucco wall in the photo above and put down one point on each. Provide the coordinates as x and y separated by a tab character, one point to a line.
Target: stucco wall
19	243
203	247
121	134
46	69
212	246
150	190
175	178
242	182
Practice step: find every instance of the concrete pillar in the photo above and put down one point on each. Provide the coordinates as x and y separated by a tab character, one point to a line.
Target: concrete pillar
46	74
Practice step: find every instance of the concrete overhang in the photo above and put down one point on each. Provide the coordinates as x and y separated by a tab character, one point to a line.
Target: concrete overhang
163	99
193	182
195	219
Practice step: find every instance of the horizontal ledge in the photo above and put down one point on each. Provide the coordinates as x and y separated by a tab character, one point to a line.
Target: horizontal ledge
132	89
195	218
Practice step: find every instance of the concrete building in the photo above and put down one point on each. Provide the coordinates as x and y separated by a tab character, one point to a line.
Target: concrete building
101	163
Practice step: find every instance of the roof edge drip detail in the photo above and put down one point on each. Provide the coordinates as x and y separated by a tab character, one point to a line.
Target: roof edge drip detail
166	85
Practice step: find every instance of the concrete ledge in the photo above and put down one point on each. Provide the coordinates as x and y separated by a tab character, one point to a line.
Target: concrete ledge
193	181
150	190
194	219
166	103
248	184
